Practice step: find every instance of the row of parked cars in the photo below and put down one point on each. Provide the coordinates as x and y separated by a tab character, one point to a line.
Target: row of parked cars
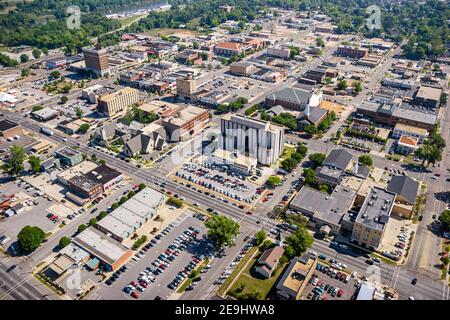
187	237
229	270
148	275
321	288
184	274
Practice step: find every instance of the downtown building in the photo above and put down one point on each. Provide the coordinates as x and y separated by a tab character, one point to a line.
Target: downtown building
253	138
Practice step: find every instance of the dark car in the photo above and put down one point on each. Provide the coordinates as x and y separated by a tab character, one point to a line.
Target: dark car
368	261
414	281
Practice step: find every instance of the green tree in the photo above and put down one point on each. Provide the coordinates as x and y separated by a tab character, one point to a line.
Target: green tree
365	159
25	73
222	230
310	129
35	163
298	242
64	242
317	159
37	108
142	186
14	164
308	174
342	85
327	80
131	194
260	236
320	42
357	86
79	112
101	215
289	164
64	99
55	74
30	238
324	188
36	53
445	219
114	206
83	128
81	228
92	222
24	58
273	181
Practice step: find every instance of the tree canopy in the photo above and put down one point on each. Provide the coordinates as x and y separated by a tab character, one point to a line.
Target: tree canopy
222	230
30	238
14	164
298	242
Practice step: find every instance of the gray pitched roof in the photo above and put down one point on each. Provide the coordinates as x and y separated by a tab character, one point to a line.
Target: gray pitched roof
134	144
404	186
315	114
294	95
338	158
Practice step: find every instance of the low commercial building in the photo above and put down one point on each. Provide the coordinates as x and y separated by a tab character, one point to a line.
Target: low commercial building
406	190
111	253
371	221
407	145
131	215
279	52
241	68
323	209
228	49
80	168
428	97
9	129
401	129
68	156
106	176
45	114
352	52
111	104
296	277
186	123
235	162
268	261
55	63
82	189
391	114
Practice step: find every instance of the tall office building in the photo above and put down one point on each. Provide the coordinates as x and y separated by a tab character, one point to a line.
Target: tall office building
96	60
255	138
111	104
186	87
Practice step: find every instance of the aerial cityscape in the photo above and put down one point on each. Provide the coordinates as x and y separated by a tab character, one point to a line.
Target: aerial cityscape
232	150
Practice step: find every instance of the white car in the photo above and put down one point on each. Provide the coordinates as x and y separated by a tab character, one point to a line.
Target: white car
313	253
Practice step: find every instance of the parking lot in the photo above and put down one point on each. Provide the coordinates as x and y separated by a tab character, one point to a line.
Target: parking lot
330	284
158	281
33	213
221	182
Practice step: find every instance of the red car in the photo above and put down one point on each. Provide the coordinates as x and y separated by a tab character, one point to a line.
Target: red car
167	252
342	277
249	212
340	293
134	283
135	295
144	284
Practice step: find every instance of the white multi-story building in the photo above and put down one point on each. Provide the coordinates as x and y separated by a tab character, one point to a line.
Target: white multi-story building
250	137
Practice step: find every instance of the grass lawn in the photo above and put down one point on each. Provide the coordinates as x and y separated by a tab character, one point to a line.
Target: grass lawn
129	20
251	282
384	259
288	151
236	271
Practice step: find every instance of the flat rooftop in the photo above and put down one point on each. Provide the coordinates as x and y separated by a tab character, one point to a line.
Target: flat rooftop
6	124
252	123
103	174
323	206
185	115
111	96
376	209
229	157
80	168
67	152
100	245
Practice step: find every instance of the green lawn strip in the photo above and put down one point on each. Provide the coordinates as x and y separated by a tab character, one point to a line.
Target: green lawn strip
252	284
223	288
288	151
188	281
384	259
